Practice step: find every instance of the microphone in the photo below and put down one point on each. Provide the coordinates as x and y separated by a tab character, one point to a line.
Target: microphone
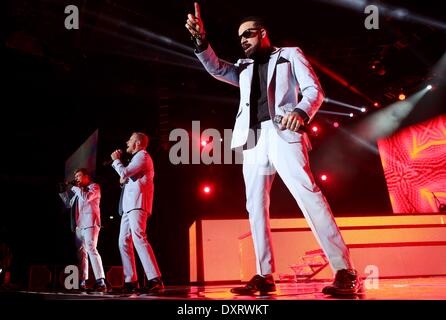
278	120
108	162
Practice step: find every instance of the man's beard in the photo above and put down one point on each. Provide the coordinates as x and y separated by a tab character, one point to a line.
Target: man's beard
251	53
257	52
252	50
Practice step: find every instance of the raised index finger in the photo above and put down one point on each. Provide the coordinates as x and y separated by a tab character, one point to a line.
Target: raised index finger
197	10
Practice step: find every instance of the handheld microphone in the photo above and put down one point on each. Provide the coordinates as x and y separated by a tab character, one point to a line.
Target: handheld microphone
110	161
278	120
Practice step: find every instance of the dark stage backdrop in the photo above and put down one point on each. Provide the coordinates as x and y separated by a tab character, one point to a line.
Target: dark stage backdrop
59	86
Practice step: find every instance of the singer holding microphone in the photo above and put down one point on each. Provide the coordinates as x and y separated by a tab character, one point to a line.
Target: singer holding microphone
136	208
83	196
269	79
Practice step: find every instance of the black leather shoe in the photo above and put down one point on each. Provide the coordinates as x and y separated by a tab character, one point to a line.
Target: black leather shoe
346	282
99	288
83	287
130	287
153	285
257	284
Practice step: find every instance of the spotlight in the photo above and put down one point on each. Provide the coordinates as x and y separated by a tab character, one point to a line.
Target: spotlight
376	104
203	142
206	189
324	177
377	67
429	87
111	217
343	114
363	109
336	124
351	115
314	129
402	96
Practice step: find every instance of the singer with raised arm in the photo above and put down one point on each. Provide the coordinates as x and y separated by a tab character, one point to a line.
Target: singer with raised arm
83	197
270	79
135	208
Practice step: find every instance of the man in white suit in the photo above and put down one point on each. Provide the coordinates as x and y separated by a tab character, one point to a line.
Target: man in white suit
269	80
136	202
83	196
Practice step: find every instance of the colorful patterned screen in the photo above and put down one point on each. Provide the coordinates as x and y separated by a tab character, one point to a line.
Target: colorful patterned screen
414	162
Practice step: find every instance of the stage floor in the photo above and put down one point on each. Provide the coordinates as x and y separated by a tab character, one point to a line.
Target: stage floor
428	288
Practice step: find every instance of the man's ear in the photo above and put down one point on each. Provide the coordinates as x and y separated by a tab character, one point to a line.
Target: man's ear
263	33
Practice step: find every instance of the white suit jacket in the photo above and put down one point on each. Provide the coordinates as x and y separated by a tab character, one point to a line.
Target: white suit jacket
288	72
87	213
138	191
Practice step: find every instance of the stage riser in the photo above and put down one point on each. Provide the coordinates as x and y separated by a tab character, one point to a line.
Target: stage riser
397	245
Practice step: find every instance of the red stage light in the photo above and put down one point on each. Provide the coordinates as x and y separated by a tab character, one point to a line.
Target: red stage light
324	177
376	104
203	142
402	96
336	124
206	189
314	128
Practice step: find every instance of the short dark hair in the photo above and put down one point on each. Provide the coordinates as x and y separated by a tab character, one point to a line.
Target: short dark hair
259	22
82	170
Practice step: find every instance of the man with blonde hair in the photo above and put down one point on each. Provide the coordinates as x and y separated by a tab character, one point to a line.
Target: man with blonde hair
137	201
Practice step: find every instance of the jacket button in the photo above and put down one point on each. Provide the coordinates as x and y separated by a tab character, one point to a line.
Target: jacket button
247	104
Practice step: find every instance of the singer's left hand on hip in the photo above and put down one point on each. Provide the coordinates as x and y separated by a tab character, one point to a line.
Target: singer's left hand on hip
292	121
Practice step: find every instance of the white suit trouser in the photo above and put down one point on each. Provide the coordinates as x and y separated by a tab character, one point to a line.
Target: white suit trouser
86	241
290	160
133	231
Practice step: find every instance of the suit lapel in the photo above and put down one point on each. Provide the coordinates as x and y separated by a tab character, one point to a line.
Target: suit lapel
271	85
272	65
74	212
249	71
247	76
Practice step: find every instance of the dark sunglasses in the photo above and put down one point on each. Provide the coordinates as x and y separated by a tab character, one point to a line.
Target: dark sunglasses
249	33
